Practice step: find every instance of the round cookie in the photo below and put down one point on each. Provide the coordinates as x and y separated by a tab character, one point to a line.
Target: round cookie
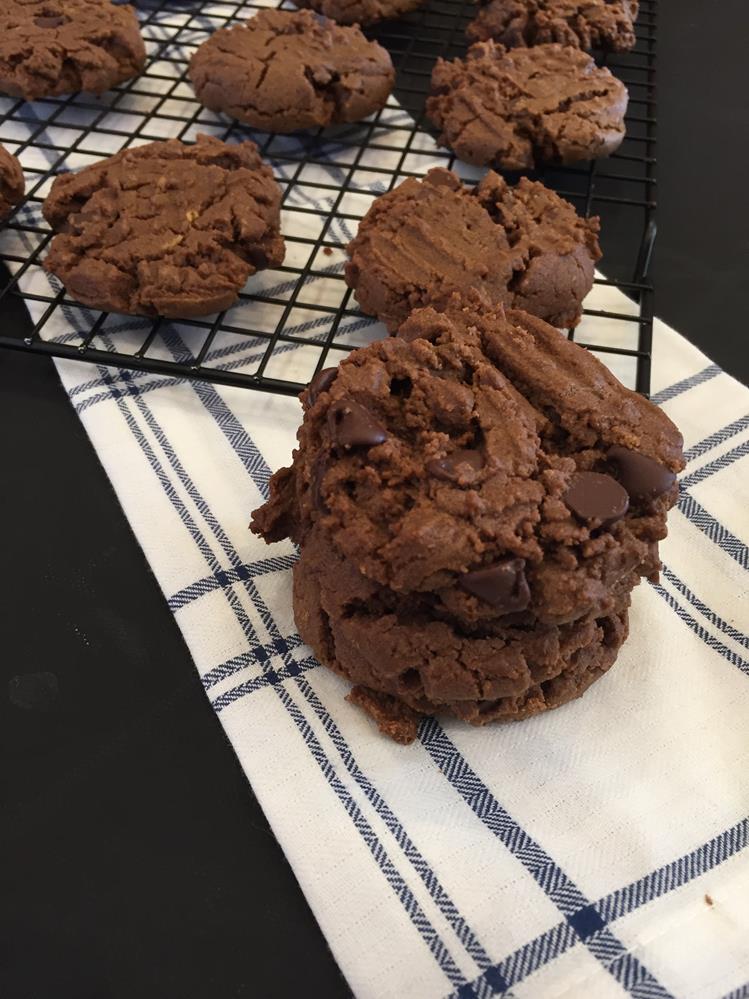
12	184
523	246
286	70
166	228
585	24
53	47
480	489
361	11
480	440
520	108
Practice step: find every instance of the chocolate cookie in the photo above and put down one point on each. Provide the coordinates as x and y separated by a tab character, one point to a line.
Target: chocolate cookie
585	24
165	229
361	11
52	47
404	666
517	109
12	184
523	246
284	70
481	489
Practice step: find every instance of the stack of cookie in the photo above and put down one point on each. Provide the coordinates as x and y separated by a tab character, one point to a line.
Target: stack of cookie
475	500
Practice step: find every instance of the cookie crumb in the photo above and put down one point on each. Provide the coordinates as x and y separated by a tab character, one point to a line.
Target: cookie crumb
709	900
327	251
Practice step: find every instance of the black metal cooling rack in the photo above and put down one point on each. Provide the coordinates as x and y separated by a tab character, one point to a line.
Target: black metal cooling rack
292	321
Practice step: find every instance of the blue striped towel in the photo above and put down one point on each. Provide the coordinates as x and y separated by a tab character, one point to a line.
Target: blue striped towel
598	850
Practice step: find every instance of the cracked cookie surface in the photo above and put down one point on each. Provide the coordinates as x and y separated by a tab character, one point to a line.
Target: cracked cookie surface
585	24
165	229
474	500
361	11
286	70
53	47
12	184
523	246
519	108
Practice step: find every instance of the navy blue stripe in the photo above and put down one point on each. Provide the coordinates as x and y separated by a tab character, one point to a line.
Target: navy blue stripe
223	578
579	912
712	617
677	873
685	384
708	443
716	465
742	992
714	530
710	640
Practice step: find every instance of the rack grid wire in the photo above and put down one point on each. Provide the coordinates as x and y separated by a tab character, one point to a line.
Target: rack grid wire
297	318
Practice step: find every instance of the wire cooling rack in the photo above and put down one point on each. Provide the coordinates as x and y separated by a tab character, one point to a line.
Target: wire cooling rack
300	317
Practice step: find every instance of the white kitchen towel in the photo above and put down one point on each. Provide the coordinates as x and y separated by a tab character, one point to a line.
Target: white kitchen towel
598	850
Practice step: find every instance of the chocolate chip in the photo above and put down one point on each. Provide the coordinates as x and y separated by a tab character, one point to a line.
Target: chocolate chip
320	383
459	466
34	691
51	21
595	496
642	477
318	474
502	585
351	425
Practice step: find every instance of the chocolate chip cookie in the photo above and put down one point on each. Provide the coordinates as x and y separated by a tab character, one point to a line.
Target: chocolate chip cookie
165	229
404	667
586	24
361	11
474	500
520	108
523	246
285	70
52	47
12	184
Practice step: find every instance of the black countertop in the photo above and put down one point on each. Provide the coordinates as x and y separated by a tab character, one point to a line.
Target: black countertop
136	859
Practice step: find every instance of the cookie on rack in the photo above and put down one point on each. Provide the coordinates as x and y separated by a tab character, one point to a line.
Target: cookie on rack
286	70
361	11
585	24
474	500
12	184
519	108
166	229
521	245
54	47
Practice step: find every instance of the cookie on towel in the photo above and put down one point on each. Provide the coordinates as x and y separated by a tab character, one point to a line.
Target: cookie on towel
474	501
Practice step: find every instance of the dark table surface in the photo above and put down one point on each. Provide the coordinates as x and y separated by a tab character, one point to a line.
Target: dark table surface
136	861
